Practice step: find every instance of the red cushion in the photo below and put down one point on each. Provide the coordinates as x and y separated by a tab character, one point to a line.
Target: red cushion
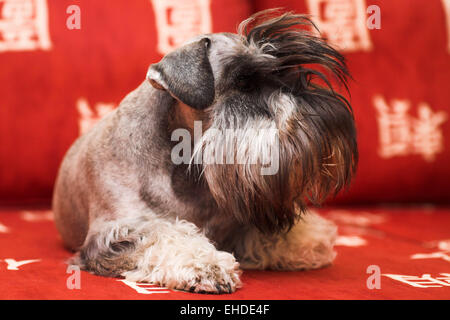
399	94
50	94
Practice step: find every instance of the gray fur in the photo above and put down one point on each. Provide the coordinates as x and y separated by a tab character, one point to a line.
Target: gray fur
129	211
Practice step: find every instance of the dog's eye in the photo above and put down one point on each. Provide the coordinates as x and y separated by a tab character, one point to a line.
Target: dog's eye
245	82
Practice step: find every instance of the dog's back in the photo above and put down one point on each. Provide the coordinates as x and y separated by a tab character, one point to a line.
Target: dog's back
69	205
77	185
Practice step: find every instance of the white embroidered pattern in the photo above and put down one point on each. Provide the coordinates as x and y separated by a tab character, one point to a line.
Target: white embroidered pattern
401	134
446	7
342	22
444	255
424	281
177	21
24	25
350	241
144	288
89	116
36	216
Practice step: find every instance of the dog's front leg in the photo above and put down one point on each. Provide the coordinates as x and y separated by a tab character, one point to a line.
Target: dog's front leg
170	253
308	245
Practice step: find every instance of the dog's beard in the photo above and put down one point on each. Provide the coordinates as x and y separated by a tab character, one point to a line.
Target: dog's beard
316	149
265	171
241	164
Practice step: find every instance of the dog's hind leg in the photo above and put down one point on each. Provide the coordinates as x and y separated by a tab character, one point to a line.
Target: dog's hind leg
308	245
170	253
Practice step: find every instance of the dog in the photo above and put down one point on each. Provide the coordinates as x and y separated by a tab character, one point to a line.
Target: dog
127	205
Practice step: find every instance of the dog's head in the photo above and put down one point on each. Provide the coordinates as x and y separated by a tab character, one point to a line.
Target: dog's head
260	96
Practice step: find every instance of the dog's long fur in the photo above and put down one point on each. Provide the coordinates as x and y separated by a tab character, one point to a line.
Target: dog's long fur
314	122
131	211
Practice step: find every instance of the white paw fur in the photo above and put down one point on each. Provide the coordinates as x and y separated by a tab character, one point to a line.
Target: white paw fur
308	245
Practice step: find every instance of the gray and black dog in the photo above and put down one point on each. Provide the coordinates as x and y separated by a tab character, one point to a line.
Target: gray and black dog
131	210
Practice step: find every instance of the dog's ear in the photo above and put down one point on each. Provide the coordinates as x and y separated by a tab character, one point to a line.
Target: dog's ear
186	74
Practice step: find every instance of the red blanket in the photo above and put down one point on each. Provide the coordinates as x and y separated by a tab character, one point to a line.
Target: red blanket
383	253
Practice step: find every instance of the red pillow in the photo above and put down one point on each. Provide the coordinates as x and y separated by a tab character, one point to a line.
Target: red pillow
55	82
400	93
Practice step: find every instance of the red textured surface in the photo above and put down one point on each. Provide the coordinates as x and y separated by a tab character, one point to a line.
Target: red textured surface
102	62
109	56
409	62
391	235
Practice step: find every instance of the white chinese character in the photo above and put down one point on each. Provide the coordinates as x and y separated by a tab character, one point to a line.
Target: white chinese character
444	245
361	219
400	134
427	138
90	116
36	216
144	288
177	21
24	25
393	125
343	22
440	255
12	264
350	241
446	5
446	277
425	281
3	228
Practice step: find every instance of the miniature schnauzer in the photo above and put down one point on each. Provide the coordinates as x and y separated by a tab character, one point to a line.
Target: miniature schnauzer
130	208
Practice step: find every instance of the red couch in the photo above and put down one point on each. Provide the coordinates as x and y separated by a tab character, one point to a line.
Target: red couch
56	82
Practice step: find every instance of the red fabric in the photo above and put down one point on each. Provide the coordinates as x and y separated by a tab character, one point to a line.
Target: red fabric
49	95
44	93
99	63
391	235
408	64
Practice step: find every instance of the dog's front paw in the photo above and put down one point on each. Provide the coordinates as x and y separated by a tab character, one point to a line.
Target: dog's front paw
216	273
217	277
